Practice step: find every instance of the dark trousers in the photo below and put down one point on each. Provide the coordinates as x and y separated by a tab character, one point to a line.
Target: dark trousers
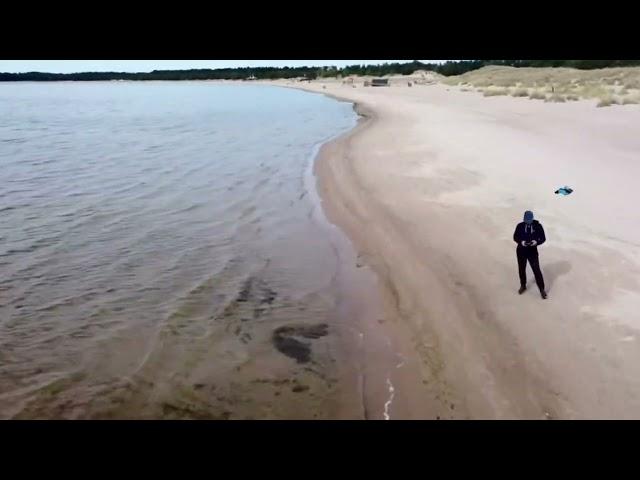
529	254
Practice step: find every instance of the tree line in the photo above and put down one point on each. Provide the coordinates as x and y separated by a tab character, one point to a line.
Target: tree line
448	68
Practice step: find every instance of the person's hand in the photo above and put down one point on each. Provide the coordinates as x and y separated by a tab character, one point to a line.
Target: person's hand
523	243
533	243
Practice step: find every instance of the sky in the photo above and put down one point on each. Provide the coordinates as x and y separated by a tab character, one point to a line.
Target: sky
73	66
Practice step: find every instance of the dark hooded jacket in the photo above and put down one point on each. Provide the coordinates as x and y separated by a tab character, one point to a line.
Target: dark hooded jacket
528	232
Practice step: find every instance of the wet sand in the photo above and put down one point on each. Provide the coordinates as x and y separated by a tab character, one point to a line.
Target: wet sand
430	186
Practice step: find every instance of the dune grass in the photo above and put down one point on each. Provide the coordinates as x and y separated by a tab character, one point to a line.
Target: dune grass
494	91
519	92
606	101
609	86
556	97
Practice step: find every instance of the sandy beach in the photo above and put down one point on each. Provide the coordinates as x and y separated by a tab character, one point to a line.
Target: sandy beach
430	187
220	258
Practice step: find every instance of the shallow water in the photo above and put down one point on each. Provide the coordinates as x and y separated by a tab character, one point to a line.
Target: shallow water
161	254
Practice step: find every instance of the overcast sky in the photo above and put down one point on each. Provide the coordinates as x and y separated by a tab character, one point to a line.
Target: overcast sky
73	66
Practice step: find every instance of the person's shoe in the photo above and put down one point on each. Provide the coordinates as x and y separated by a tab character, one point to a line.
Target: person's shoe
521	291
543	294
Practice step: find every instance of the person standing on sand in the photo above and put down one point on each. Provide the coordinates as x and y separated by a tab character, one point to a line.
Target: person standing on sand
528	235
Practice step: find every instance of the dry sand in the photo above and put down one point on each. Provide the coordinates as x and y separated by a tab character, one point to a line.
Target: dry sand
430	187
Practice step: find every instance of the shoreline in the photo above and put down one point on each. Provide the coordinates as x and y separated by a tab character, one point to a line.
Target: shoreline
407	184
409	301
357	287
403	380
392	365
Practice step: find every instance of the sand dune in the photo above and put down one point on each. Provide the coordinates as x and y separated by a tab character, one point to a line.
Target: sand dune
609	86
430	188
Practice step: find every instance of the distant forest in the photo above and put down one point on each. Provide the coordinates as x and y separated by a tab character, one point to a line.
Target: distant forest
271	73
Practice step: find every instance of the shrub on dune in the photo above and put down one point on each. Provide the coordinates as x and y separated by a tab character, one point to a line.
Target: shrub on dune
556	97
494	92
519	92
605	101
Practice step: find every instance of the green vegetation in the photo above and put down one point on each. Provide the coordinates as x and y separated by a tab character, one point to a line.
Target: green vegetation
266	73
450	68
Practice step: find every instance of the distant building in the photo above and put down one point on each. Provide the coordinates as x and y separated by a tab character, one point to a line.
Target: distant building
380	82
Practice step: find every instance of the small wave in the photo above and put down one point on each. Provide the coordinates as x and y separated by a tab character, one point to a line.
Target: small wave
387	404
15	251
188	209
247	212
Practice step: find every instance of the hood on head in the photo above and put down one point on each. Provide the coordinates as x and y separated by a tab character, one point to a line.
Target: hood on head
528	217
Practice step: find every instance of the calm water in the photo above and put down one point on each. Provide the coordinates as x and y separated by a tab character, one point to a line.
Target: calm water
160	251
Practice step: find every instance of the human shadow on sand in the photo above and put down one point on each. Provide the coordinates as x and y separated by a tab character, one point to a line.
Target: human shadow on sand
553	270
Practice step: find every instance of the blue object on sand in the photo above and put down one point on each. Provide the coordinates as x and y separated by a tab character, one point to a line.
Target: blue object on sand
564	190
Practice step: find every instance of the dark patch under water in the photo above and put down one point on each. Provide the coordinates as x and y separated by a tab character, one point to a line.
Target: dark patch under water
289	340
